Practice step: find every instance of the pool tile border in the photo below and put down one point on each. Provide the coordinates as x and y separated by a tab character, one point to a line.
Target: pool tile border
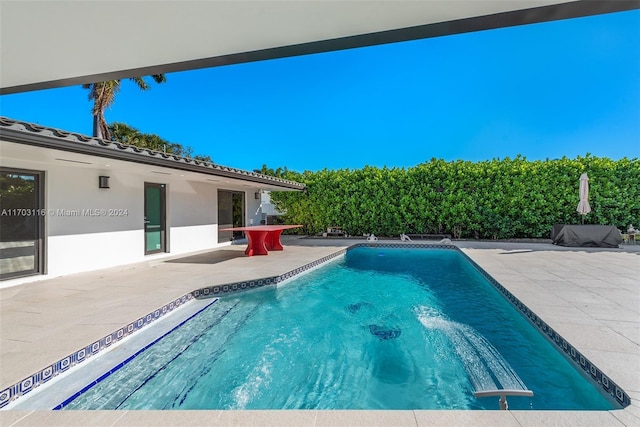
226	289
44	375
577	359
607	386
33	381
130	358
583	364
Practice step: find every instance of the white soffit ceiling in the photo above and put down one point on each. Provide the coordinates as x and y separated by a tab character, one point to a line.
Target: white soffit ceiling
55	43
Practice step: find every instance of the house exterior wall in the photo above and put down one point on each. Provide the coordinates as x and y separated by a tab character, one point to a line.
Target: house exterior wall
192	216
268	208
88	228
254	213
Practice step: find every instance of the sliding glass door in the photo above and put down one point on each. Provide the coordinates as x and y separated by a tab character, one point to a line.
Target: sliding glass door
230	214
21	222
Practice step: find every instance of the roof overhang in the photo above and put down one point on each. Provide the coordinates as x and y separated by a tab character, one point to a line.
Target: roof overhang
47	44
29	134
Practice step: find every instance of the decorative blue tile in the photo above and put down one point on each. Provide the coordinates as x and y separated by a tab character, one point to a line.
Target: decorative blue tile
79	356
570	352
5	397
26	385
64	364
46	374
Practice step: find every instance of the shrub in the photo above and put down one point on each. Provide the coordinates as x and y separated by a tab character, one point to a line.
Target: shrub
491	199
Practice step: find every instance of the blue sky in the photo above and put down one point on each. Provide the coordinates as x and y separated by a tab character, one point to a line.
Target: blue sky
546	90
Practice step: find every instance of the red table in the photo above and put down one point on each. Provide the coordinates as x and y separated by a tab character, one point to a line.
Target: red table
262	238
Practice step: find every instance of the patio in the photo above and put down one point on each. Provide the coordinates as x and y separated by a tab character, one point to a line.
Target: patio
590	296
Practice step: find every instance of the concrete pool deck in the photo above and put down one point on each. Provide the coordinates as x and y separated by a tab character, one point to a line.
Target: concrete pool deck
590	296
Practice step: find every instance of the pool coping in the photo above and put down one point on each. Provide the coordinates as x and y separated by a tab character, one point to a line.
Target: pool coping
615	394
247	285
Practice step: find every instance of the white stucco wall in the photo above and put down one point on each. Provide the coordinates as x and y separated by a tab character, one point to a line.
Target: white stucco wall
71	189
88	228
254	214
268	207
192	216
66	254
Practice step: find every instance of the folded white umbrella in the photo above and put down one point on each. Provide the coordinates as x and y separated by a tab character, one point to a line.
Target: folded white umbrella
583	206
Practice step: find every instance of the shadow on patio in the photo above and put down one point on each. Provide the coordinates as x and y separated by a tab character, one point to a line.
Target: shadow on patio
213	257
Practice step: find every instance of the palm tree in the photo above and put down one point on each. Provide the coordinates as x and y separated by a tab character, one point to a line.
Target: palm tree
124	133
279	173
129	135
103	95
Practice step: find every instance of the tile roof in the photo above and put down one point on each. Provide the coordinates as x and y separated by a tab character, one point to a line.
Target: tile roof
34	134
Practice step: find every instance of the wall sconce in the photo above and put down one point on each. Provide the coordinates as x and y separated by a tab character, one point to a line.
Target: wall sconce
257	195
103	181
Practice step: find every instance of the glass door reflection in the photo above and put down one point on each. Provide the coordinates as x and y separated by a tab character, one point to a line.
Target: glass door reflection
21	223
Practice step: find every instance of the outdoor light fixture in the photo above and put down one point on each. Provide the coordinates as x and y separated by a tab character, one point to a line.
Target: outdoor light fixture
257	195
103	181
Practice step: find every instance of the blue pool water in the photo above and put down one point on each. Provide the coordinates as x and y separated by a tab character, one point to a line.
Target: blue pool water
379	329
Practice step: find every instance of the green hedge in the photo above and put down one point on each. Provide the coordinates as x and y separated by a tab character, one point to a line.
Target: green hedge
496	199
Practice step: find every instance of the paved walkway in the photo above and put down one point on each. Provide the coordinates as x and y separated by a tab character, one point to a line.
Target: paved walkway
590	296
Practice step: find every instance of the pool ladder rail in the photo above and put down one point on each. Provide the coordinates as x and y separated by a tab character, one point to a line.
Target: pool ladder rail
503	395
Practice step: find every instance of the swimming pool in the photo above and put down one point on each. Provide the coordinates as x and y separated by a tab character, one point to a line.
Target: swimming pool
381	328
